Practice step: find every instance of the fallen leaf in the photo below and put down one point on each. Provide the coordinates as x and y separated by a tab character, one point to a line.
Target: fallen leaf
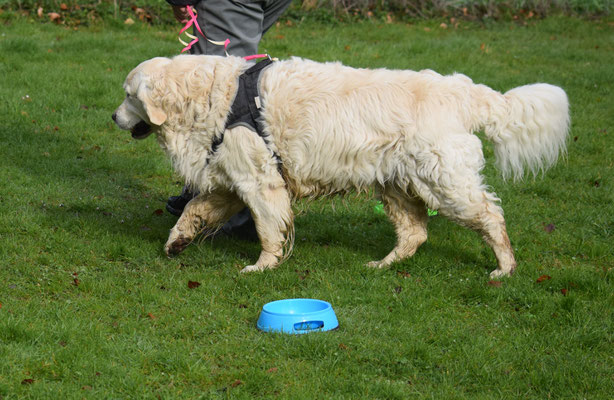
193	284
564	292
158	212
63	7
495	283
129	21
342	346
271	370
76	282
55	17
86	387
404	274
151	316
27	381
549	228
236	383
543	278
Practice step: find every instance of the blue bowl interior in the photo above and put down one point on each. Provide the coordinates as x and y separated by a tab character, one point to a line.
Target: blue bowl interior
297	316
296	307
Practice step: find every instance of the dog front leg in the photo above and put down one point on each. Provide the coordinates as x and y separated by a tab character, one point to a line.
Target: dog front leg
209	210
274	219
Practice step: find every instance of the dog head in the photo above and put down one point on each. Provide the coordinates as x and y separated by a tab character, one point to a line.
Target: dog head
139	113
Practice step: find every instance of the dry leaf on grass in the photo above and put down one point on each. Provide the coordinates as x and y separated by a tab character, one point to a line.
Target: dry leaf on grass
54	17
193	284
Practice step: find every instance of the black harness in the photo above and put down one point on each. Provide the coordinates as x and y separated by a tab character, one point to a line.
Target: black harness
245	110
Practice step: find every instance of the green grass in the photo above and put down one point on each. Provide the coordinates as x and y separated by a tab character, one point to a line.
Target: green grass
79	200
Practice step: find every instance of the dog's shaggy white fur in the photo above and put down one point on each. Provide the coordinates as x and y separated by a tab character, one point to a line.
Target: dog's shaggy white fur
337	129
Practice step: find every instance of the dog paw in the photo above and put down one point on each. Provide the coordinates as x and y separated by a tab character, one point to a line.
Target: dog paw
172	248
376	264
251	268
498	273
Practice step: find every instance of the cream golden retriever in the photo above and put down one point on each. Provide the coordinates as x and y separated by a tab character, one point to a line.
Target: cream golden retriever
331	129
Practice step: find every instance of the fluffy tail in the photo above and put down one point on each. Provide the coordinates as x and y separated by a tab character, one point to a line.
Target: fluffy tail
530	130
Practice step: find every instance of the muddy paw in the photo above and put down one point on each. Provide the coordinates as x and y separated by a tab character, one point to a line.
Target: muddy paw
176	246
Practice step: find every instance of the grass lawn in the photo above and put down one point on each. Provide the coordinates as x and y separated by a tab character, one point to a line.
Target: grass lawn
90	307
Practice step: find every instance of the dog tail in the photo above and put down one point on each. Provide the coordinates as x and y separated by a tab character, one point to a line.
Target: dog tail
529	129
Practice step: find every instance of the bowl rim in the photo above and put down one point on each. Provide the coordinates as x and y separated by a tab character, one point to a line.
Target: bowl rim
299	300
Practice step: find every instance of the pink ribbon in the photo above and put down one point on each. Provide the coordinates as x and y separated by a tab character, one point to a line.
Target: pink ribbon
225	43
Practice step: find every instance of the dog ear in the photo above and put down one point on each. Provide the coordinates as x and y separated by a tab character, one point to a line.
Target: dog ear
144	93
155	114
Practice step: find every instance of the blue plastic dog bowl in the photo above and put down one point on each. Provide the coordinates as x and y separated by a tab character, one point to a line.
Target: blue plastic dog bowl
297	316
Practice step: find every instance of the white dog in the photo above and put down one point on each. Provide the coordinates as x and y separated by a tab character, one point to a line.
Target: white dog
328	128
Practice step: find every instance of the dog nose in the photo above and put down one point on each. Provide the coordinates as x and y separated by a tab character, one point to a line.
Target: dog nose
114	116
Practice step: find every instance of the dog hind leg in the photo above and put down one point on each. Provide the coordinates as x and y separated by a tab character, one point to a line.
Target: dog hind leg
487	219
452	184
210	210
409	216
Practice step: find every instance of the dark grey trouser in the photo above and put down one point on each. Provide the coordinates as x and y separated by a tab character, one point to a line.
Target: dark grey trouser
242	21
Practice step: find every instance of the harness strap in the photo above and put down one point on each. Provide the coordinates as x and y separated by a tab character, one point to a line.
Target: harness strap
245	109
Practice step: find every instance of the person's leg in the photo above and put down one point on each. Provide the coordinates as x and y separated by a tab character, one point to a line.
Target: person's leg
239	21
273	9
